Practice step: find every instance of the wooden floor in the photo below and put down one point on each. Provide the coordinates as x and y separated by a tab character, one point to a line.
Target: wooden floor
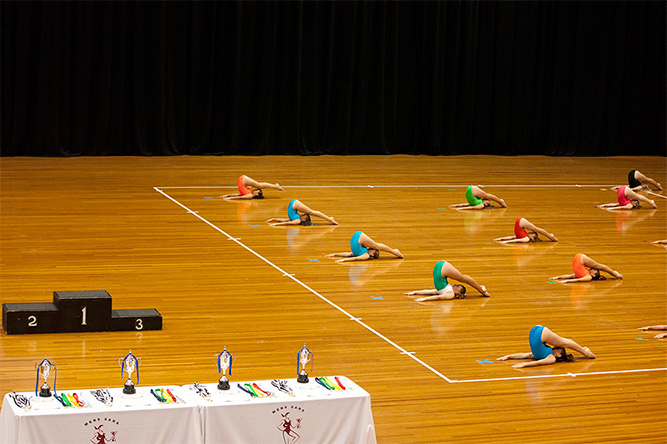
154	233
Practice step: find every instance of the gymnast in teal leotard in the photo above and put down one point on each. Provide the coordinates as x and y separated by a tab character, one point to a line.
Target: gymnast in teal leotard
478	200
542	354
294	218
443	289
364	248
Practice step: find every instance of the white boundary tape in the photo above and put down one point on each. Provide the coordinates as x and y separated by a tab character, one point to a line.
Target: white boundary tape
366	326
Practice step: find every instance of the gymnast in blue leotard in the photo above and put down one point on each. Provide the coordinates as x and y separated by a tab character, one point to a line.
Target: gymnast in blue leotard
364	248
443	290
542	354
294	218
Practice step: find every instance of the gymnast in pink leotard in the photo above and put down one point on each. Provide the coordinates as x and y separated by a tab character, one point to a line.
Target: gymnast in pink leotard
521	235
244	182
586	269
627	200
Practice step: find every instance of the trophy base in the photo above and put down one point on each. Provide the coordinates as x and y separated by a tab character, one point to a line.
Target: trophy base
303	379
45	392
50	403
223	385
129	389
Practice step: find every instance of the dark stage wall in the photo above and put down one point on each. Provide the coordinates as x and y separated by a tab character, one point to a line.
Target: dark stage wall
163	78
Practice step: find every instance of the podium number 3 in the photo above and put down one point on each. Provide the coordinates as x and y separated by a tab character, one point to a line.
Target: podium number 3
139	324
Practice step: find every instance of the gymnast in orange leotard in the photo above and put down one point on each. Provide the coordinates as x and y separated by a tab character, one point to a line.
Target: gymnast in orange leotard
521	235
244	182
586	269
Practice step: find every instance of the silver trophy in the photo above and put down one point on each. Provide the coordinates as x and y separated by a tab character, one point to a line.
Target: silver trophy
225	360
44	370
129	364
302	357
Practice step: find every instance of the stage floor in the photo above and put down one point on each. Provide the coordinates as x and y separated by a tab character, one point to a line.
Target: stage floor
155	233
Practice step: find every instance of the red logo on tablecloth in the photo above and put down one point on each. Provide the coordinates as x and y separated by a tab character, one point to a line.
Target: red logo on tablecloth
101	437
287	426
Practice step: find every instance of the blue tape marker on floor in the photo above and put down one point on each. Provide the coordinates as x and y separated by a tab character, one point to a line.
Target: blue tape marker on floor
254	225
377	298
486	361
208	198
313	260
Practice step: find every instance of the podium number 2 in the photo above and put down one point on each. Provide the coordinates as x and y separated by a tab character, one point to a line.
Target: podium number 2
83	316
32	321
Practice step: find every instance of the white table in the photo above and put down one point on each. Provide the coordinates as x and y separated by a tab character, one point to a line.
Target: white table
315	414
142	420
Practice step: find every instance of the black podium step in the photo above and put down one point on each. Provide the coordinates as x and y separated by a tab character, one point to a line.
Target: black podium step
76	311
138	319
39	317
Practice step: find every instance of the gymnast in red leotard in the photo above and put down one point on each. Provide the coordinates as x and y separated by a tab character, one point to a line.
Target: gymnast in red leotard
521	235
586	269
627	200
244	182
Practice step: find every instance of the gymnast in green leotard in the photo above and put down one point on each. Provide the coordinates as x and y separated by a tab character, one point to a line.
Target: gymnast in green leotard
443	289
478	200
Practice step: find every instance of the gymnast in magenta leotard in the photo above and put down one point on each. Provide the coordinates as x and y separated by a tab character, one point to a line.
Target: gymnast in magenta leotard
521	235
627	200
244	182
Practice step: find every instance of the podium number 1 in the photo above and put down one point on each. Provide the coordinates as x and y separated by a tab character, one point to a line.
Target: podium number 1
83	316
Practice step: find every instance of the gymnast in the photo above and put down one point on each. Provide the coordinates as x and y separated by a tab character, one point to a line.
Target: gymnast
244	182
586	269
638	181
656	327
443	289
363	249
542	354
294	218
660	243
627	200
521	235
478	200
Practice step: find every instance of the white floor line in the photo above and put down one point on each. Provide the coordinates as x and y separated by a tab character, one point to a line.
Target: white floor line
366	326
408	186
291	276
656	194
560	375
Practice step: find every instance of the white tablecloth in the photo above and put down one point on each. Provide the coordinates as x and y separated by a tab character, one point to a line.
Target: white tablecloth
314	415
143	420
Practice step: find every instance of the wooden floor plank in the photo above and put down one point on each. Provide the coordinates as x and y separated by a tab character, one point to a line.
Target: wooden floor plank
98	223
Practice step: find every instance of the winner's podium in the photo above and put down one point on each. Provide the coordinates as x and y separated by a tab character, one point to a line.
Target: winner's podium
76	311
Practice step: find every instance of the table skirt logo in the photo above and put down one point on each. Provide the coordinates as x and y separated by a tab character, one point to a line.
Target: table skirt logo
104	430
288	422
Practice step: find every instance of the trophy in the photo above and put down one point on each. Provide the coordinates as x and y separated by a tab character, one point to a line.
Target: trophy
44	370
302	357
129	364
225	360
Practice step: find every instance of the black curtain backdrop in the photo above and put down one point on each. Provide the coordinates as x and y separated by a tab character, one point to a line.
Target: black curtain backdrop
474	77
